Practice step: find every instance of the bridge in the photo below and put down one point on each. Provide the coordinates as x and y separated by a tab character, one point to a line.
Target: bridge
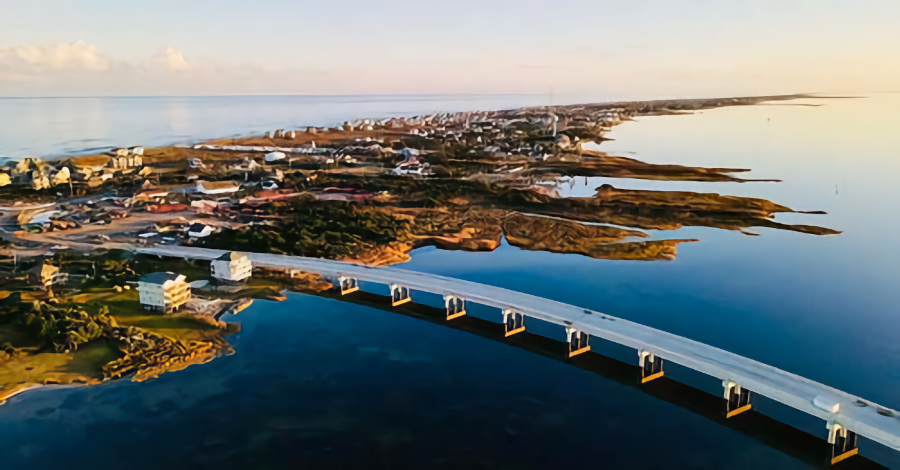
845	415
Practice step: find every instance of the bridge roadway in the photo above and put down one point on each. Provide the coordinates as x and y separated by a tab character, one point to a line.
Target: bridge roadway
834	406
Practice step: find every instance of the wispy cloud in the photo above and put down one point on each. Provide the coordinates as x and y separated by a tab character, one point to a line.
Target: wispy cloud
78	69
169	59
27	61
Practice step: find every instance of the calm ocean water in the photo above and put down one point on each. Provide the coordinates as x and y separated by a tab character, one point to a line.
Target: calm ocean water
319	383
59	126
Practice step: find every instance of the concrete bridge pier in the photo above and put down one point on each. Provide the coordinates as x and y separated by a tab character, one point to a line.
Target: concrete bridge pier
651	366
399	295
348	285
514	322
456	306
738	398
578	341
843	442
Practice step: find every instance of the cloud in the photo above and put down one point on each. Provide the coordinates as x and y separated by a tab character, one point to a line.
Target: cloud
80	57
170	58
35	59
80	69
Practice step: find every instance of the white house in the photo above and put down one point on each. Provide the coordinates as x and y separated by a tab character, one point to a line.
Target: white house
62	176
47	275
275	156
232	267
128	161
411	168
199	230
216	187
247	165
39	181
165	292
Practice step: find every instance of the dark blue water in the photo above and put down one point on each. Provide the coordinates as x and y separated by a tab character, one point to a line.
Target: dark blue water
319	383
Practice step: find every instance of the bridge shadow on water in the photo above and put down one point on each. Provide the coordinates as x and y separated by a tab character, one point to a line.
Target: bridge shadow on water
791	441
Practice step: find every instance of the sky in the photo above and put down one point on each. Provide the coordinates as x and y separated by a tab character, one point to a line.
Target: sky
629	49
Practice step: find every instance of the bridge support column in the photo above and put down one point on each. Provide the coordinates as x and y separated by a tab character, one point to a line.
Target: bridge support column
738	398
399	295
348	285
843	442
456	306
513	321
651	366
578	341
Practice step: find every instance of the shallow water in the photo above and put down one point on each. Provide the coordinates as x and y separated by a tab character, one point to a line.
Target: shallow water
320	383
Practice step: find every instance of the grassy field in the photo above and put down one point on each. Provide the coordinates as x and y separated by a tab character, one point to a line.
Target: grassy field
28	370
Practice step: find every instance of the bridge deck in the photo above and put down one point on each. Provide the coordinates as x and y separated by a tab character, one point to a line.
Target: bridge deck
861	416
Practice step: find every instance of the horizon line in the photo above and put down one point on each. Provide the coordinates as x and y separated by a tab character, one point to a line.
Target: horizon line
267	94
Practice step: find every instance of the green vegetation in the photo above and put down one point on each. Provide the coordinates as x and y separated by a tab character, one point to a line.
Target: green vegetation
64	328
317	229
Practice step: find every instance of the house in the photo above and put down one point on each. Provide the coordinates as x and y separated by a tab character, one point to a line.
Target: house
91	164
274	156
62	176
265	196
151	194
563	141
344	194
38	180
5	179
121	158
411	168
408	153
123	162
204	206
166	208
199	230
232	267
248	164
165	292
46	275
27	165
216	187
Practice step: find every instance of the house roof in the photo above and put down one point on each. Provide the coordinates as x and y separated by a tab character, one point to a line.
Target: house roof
160	278
215	185
90	160
232	256
41	268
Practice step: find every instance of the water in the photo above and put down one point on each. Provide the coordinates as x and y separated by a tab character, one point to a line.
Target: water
58	126
320	383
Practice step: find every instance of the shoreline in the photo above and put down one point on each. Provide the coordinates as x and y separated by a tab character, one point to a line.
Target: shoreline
193	141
